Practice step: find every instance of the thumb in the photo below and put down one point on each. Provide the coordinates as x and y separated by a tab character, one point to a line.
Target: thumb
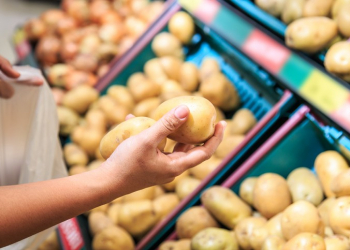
169	123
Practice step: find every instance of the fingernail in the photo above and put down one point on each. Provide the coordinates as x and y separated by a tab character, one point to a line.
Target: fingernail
182	112
224	124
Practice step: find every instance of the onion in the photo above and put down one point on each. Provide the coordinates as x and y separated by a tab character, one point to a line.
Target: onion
126	43
35	29
65	25
102	70
78	34
122	7
134	26
47	50
57	73
79	10
137	6
77	78
110	17
68	51
107	51
51	18
182	26
58	95
65	4
111	32
85	62
152	11
89	44
98	9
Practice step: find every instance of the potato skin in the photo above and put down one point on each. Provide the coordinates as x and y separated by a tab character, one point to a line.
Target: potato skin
225	205
242	121
122	132
337	242
244	230
214	238
337	60
274	226
80	98
328	165
305	241
340	185
317	8
200	124
113	238
304	185
308	220
193	221
246	189
293	10
339	216
228	144
164	204
205	168
273	242
274	188
184	244
186	186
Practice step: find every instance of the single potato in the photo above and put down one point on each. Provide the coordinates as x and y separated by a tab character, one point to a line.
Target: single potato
166	44
164	204
273	7
246	189
339	216
154	71
122	96
293	10
337	6
317	8
113	212
214	238
244	230
337	242
186	186
208	67
75	155
337	60
80	98
305	241
113	238
189	76
171	66
242	121
205	168
182	26
273	242
340	185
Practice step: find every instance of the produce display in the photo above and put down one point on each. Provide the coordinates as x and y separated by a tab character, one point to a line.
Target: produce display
75	44
315	26
305	211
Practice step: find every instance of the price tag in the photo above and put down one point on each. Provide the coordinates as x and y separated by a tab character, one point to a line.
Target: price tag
71	235
324	92
207	11
343	114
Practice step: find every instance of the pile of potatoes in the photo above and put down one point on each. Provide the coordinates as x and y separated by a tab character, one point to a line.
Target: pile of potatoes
305	211
314	26
75	44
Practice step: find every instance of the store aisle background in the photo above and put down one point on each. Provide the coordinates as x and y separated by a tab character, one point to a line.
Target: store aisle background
14	13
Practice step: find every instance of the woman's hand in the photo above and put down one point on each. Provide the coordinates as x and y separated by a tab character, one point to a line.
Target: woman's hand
137	160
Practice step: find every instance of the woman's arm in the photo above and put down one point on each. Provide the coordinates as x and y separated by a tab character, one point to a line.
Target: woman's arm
136	164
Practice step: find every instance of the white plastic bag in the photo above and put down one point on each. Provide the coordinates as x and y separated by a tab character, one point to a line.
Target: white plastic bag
29	147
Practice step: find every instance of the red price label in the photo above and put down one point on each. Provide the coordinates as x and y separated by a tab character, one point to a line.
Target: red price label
70	235
23	49
266	51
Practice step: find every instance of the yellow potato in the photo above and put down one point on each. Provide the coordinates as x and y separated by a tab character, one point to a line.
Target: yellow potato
328	165
113	238
343	20
186	186
171	86
68	119
220	91
339	216
122	132
77	169
337	6
98	221
274	227
200	124
166	44
305	241
122	96
257	237
304	185
189	76
145	107
143	194
337	60
246	189
214	238
182	26
244	230
340	185
337	242
273	188
88	139
184	244
242	121
142	88
293	10
96	119
192	221
154	71
113	212
308	220
273	242
170	186
164	204
114	112
208	67
170	95
103	208
205	168
74	155
317	8
158	191
273	7
94	165
225	205
80	98
311	34
171	66
228	144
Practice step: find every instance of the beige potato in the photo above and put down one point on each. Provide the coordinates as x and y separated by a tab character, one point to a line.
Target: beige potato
113	212
80	98
273	188
170	86
339	216
98	221
186	186
170	186
258	237
343	20
200	124
304	185
103	208
273	242
145	107
273	7
220	91
122	96
242	121
244	230
324	209
317	8
68	119
328	232
74	155
213	239
182	26
114	112
292	10
311	34
220	116
308	220
143	194
246	189
337	242
337	60
170	95
189	76
154	71
77	169
158	191
169	146
97	120
123	131
274	227
192	221
225	206
166	44
227	145
171	66
328	165
50	243
88	139
337	6
184	244
208	67
164	204
142	88
94	165
205	168
113	238
137	217
305	241
340	185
